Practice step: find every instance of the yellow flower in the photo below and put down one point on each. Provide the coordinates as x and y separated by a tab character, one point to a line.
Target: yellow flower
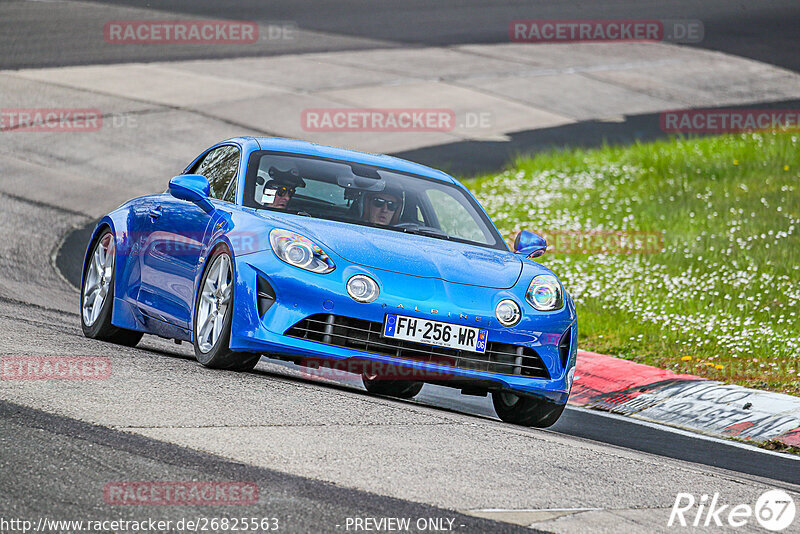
736	162
686	358
720	367
785	167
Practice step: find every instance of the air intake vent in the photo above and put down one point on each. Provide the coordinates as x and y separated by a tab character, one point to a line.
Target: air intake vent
265	295
563	346
366	336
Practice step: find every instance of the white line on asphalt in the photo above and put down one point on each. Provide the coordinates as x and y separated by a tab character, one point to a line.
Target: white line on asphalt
499	510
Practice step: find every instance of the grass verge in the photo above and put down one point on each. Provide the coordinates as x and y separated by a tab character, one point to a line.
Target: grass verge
683	253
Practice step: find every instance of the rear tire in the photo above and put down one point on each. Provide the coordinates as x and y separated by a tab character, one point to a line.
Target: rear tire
402	389
213	314
526	411
97	295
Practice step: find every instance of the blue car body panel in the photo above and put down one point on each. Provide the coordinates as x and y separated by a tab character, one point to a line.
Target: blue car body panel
160	263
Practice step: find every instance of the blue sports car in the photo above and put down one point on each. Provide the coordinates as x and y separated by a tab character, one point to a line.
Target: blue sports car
329	257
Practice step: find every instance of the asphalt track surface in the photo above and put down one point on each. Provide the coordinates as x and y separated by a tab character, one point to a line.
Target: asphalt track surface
53	464
47	33
58	443
54	33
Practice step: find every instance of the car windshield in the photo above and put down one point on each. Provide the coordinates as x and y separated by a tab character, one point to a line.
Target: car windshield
366	195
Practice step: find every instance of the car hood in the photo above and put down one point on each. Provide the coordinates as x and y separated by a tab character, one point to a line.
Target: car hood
409	253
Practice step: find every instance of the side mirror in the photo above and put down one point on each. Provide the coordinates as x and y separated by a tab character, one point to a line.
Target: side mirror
192	187
530	244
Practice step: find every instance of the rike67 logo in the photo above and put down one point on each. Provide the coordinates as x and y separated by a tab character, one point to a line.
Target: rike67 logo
774	510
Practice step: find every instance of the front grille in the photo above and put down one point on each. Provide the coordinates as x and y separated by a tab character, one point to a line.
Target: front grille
366	336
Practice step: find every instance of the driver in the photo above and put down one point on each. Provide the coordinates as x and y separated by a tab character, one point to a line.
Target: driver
383	208
281	186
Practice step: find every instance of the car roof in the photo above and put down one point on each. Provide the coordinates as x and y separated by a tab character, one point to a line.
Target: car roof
297	146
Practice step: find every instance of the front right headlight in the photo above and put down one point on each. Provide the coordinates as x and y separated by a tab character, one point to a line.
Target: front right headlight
545	293
300	251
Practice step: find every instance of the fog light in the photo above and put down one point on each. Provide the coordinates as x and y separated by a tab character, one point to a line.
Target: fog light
507	312
362	288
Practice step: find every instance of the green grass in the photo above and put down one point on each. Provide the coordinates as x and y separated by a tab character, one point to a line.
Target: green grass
720	299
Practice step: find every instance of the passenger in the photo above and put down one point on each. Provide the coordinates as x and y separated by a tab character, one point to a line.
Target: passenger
281	187
383	208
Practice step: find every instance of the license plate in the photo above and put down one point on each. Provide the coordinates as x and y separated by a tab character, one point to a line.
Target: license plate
437	333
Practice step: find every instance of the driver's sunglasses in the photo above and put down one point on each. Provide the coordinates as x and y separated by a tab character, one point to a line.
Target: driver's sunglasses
391	205
283	191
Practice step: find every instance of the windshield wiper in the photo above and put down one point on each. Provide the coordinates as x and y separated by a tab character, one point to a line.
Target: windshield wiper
411	228
432	232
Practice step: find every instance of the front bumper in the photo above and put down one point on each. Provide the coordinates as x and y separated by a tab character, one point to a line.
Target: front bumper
300	295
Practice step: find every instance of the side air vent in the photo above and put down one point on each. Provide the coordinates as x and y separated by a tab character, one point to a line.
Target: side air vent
265	296
563	346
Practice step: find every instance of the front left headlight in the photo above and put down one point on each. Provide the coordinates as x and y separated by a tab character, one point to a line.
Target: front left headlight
545	293
300	251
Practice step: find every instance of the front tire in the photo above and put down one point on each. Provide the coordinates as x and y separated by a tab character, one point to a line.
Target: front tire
526	411
213	314
402	389
97	295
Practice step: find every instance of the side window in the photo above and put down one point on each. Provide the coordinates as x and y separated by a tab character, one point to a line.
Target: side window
231	195
220	166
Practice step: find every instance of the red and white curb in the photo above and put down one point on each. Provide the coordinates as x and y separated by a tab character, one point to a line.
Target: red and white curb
684	401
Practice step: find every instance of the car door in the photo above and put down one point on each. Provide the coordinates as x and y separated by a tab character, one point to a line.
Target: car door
179	236
138	226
